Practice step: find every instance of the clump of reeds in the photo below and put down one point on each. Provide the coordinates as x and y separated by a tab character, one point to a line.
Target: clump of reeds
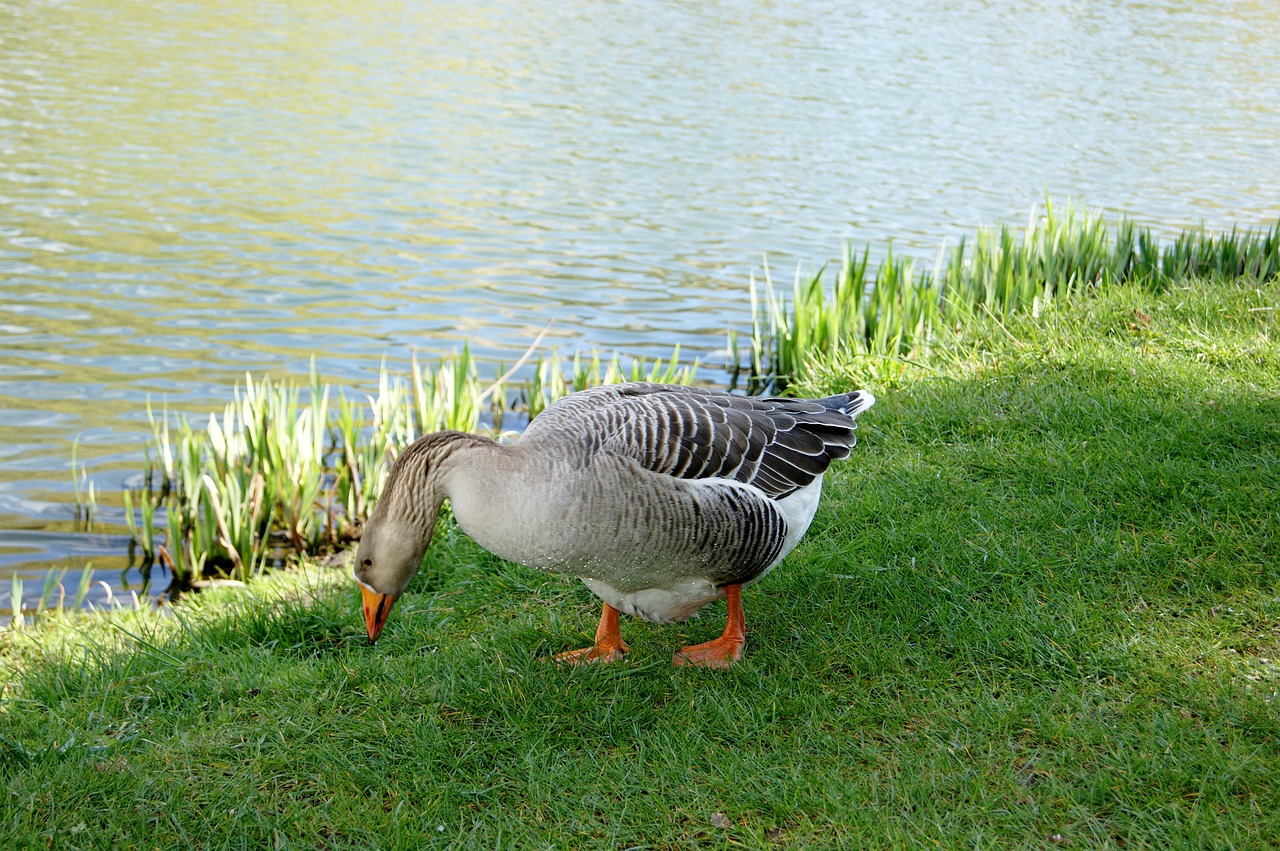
550	381
283	472
46	601
898	311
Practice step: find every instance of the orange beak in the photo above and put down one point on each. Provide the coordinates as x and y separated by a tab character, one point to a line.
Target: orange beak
376	608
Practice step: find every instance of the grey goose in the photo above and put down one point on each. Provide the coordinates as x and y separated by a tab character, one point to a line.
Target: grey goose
661	498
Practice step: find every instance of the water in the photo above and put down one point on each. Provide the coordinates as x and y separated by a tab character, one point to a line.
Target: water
189	191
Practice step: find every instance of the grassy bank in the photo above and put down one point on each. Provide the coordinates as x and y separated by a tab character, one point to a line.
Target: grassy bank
1039	607
290	471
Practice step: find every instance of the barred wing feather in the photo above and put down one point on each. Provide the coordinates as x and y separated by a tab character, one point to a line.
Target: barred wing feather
778	445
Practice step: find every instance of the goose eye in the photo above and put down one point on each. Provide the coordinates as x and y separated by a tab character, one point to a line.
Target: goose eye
368	562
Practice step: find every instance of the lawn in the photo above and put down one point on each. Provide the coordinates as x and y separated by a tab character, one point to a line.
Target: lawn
1039	607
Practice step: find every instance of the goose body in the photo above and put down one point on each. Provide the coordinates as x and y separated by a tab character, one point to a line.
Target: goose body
661	498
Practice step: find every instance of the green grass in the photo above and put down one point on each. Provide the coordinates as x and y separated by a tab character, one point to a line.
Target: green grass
1039	607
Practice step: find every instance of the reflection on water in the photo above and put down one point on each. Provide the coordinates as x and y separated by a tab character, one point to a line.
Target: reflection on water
190	192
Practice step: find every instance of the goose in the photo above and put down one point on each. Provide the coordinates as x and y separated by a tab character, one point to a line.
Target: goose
660	498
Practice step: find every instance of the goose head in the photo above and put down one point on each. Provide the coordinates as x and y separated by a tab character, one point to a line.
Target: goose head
399	530
391	549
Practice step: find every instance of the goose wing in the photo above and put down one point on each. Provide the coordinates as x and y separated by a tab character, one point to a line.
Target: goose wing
778	445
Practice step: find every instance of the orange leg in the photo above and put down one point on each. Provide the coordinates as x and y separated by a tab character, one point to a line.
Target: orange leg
609	645
727	649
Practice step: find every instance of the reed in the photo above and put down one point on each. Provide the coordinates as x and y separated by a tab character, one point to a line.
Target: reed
444	398
86	498
17	620
281	472
551	381
45	602
898	311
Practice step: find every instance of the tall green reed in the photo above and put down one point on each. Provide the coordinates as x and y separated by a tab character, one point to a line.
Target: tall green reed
282	472
898	311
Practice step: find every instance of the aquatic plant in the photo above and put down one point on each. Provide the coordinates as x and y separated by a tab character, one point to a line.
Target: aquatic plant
282	472
86	499
142	521
45	602
550	381
15	601
447	397
899	311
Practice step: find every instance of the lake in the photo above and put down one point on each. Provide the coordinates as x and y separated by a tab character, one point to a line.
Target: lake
192	190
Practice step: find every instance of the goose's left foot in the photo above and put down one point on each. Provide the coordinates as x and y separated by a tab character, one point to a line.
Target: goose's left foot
609	646
725	651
